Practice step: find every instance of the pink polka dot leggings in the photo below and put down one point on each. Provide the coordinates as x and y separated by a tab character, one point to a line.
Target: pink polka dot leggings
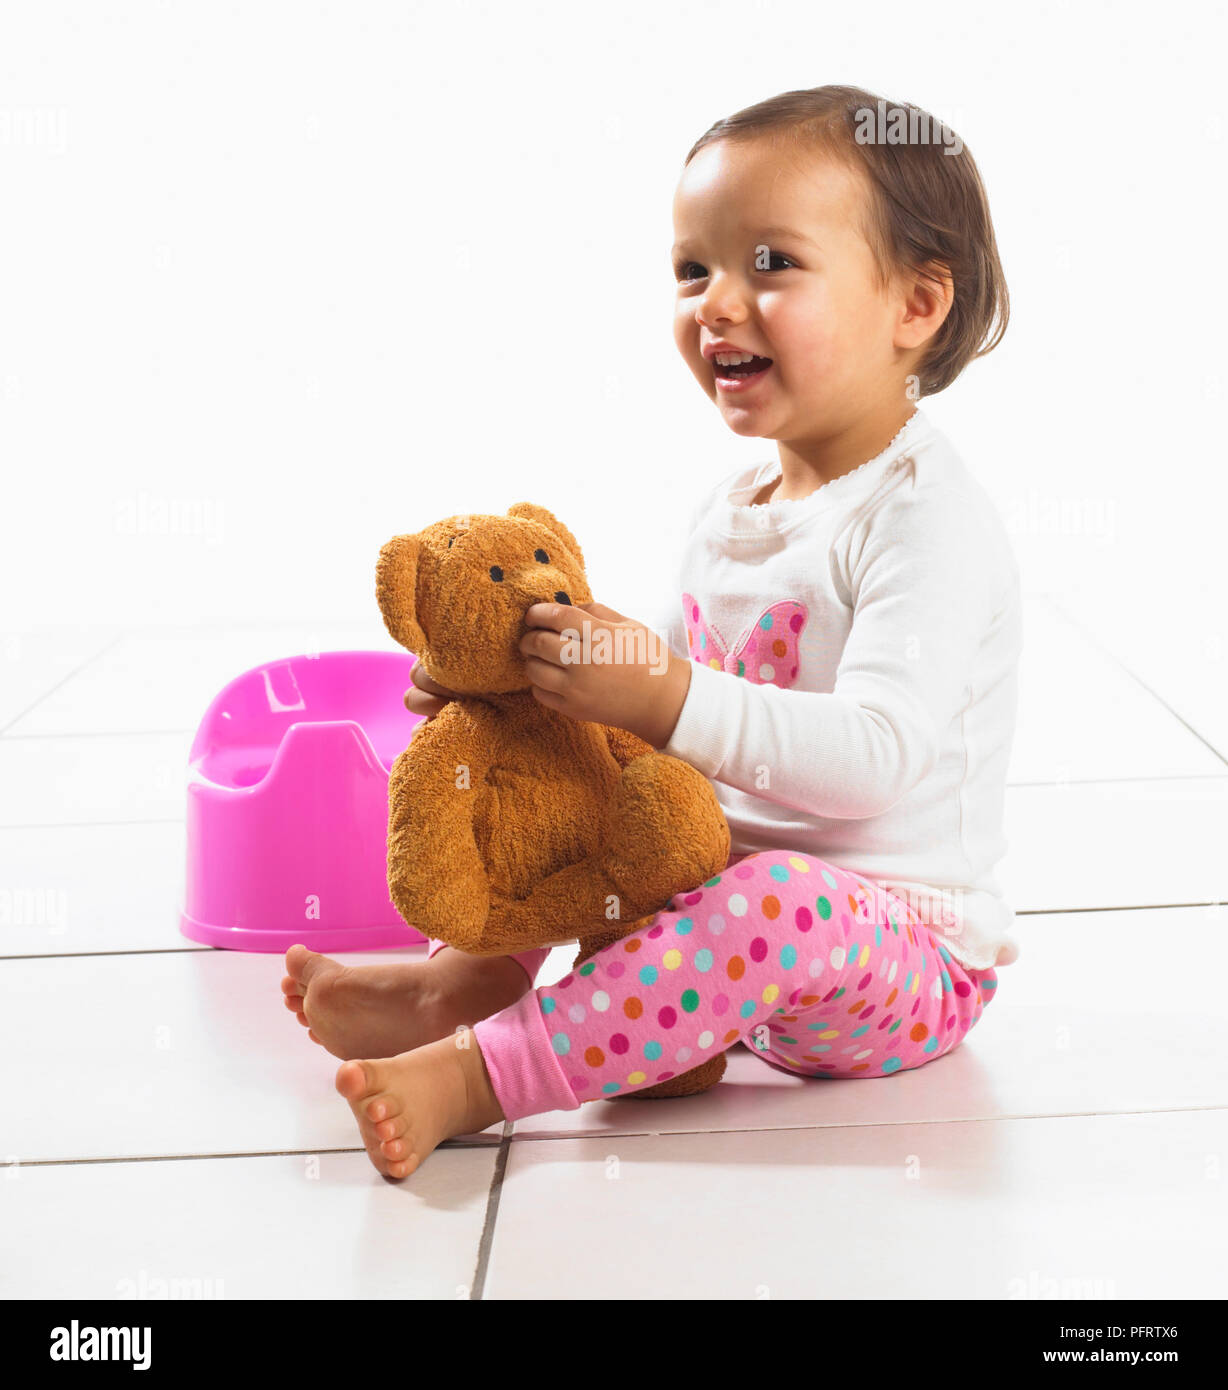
817	970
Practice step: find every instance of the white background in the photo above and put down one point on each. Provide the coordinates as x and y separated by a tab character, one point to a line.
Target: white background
282	280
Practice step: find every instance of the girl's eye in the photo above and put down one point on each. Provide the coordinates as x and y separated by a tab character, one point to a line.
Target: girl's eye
541	557
692	270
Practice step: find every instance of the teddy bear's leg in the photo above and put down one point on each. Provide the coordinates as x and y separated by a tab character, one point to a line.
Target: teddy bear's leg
559	909
687	1083
437	876
665	833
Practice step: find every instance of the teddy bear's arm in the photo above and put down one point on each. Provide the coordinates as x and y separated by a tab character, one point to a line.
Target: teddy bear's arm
625	746
436	874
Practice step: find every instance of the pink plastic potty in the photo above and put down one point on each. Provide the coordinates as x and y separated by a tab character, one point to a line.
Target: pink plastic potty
288	806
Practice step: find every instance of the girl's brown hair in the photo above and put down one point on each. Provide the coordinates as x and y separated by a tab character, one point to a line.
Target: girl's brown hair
927	207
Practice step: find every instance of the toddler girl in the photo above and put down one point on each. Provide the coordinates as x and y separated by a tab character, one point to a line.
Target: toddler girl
851	611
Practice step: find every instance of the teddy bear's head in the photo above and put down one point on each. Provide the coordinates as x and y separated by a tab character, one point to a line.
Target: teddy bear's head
456	593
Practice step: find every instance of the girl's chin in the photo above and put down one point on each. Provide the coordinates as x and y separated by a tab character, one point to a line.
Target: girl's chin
745	420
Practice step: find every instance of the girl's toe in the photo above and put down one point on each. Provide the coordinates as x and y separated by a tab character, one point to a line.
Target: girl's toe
390	1107
374	1085
354	1081
392	1128
381	1105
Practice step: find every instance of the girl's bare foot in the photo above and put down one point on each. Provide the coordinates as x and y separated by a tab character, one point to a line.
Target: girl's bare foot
407	1105
384	1010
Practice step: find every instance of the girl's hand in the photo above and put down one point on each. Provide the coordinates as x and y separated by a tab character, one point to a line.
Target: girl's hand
589	662
427	697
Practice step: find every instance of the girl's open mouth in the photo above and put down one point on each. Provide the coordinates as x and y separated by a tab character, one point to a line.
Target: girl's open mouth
743	376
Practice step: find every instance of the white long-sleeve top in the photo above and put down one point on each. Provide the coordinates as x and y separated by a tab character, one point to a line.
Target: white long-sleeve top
855	677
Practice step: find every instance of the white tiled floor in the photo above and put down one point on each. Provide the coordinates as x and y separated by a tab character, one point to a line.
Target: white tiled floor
164	1118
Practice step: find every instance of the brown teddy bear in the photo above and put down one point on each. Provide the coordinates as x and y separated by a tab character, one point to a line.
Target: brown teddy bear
511	825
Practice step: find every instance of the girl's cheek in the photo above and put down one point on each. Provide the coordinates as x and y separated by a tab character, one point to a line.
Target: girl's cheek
686	338
798	325
806	345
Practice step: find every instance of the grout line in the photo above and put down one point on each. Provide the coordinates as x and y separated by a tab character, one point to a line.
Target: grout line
1112	656
89	660
202	1158
129	951
90	824
96	733
607	1135
1119	907
492	1211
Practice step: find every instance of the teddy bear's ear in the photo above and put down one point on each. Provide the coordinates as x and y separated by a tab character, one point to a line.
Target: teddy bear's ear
396	583
532	512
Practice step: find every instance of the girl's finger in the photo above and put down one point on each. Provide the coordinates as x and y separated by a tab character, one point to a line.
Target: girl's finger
428	684
601	610
544	644
543	676
419	702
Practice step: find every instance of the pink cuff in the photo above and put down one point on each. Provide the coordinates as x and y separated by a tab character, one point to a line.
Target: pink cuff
525	1071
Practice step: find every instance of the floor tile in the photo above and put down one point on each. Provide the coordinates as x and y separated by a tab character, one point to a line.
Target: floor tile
1116	844
154	681
1088	991
83	888
70	781
312	1226
1115	1206
1082	716
33	664
1182	662
183	1052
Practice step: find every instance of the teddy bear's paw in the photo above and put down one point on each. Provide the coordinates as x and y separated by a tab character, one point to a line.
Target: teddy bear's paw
523	924
454	912
666	833
688	1083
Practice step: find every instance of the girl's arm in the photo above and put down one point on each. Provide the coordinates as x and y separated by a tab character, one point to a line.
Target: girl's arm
926	587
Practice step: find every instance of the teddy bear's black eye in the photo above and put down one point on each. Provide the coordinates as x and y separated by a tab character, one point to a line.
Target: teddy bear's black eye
541	556
496	574
450	540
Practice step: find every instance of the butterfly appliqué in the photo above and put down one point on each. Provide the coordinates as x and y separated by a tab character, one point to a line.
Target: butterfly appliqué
765	654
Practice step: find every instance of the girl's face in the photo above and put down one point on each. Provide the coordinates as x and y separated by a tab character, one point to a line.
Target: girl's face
769	257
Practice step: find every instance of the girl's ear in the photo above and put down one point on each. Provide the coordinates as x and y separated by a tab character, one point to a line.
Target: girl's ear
530	511
396	583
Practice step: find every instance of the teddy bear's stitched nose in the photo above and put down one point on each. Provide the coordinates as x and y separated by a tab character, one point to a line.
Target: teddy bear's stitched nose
561	597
